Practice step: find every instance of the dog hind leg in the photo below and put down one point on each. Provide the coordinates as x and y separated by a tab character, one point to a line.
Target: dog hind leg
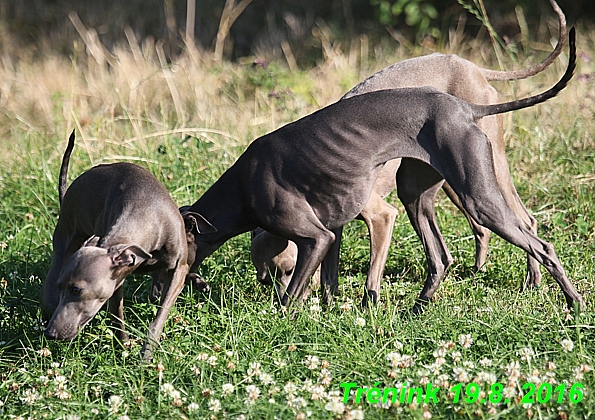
418	194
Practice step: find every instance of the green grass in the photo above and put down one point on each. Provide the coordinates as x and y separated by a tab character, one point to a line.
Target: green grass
237	334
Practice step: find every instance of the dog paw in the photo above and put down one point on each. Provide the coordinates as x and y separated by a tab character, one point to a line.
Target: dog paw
197	283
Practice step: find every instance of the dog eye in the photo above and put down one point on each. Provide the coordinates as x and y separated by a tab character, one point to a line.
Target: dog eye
289	272
75	290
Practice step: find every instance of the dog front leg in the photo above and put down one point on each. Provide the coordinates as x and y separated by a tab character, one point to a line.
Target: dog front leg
311	252
329	273
116	309
173	282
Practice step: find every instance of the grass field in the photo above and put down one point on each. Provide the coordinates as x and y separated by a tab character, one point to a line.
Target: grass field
233	353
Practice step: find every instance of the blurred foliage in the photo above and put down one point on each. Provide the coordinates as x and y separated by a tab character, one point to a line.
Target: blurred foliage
265	26
420	14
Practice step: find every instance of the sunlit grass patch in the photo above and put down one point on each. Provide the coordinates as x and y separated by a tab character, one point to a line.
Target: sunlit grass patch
234	352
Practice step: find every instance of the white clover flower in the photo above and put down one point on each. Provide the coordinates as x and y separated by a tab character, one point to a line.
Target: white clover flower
44	352
334	395
356	414
227	389
360	322
336	407
30	396
549	377
167	388
437	363
212	360
567	345
513	370
487	377
526	354
439	352
400	360
253	393
62	394
534	377
485	362
214	405
307	385
60	381
253	369
398	345
296	402
280	363
461	375
579	371
312	362
193	407
393	358
465	340
317	392
456	356
266	378
325	376
443	381
347	305
315	305
290	388
114	401
468	364
509	392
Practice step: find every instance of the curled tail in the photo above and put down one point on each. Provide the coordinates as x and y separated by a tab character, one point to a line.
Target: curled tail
494	75
480	111
64	168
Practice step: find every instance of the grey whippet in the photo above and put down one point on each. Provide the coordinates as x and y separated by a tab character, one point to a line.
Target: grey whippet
451	74
307	179
114	220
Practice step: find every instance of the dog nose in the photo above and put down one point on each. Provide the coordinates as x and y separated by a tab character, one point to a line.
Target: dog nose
50	333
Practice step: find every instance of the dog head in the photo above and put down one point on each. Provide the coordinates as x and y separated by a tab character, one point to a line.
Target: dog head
274	259
87	281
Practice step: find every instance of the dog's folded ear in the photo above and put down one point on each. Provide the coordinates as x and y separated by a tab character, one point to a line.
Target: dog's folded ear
128	255
196	223
92	241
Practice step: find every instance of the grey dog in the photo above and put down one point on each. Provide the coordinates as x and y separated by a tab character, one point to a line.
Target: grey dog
114	220
307	179
274	258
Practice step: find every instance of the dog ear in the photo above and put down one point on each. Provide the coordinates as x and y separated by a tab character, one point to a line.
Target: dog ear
197	224
92	241
128	255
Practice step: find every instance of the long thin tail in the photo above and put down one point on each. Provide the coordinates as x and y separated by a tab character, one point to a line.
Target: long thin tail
64	168
480	111
492	75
